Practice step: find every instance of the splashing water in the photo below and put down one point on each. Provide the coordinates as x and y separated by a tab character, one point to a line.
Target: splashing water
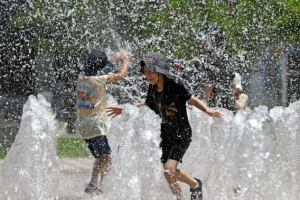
30	169
251	155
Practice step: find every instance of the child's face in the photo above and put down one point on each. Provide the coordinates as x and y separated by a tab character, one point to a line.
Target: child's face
152	77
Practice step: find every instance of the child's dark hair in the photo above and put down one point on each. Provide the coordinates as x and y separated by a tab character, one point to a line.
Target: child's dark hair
142	67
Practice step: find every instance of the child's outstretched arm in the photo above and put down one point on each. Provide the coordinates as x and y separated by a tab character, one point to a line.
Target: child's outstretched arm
117	110
201	106
114	111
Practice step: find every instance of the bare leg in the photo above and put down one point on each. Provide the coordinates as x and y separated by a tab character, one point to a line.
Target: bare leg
96	171
105	162
173	184
173	175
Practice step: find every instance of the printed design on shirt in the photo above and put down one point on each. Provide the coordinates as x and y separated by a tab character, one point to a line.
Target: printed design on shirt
85	97
171	110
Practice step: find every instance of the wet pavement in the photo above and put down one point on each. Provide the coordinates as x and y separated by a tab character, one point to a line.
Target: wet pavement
76	173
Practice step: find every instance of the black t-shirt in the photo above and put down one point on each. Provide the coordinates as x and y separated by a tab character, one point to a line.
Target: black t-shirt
220	71
170	105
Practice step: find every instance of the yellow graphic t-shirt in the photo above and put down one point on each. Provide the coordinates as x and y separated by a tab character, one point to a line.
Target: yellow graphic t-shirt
91	106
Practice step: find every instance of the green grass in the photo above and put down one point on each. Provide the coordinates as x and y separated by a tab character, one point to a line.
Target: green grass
66	147
2	154
71	147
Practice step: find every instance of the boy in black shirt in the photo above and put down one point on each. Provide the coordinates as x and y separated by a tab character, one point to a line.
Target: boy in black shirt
219	68
168	99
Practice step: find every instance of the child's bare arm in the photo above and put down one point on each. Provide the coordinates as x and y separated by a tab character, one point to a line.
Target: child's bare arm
117	110
207	91
201	106
242	102
124	57
140	104
198	104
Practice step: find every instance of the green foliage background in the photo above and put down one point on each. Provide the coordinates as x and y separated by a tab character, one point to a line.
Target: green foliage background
155	25
166	26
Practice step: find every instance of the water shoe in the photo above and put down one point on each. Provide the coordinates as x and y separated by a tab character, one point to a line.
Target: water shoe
93	189
197	192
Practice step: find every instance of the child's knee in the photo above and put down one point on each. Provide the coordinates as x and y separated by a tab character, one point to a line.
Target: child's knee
107	156
106	160
170	169
169	173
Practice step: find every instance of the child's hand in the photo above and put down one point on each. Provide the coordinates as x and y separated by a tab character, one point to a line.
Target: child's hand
117	56
121	56
114	111
126	57
215	113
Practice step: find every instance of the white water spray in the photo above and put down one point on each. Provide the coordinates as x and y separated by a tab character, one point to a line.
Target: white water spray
30	169
251	155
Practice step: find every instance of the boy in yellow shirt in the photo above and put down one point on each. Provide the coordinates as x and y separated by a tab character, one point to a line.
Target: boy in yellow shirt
92	121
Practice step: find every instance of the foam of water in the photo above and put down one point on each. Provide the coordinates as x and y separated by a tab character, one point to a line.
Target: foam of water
30	169
251	155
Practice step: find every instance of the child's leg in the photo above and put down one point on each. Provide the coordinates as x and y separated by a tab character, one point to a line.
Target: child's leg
173	184
96	171
105	166
173	175
101	165
92	186
101	150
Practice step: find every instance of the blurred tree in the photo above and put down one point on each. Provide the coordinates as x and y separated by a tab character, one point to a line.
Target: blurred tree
67	30
167	26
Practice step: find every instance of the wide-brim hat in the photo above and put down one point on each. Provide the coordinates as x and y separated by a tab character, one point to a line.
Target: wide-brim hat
97	63
157	62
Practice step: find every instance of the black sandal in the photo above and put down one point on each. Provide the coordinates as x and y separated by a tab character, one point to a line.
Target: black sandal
197	192
93	189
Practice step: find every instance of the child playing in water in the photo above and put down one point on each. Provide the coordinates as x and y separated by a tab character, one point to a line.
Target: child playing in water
240	98
91	108
168	99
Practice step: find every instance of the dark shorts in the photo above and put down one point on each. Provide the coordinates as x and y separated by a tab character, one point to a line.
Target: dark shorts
173	149
98	145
